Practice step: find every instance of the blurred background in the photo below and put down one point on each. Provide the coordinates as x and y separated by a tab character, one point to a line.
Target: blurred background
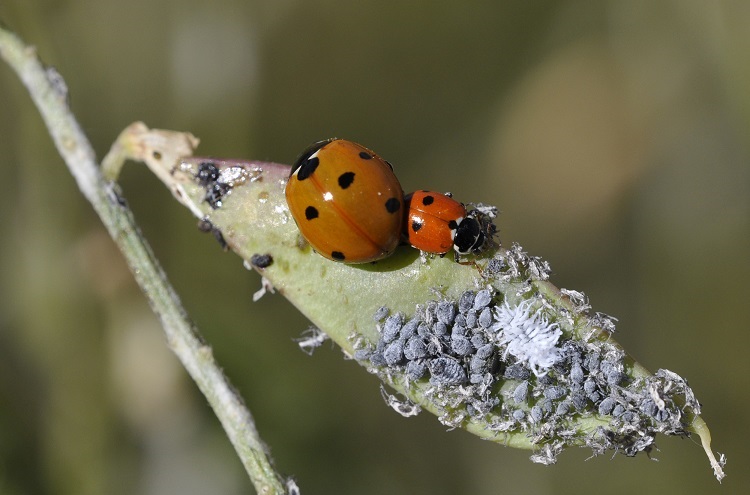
613	136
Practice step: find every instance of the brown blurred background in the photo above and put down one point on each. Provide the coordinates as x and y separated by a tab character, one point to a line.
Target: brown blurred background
612	135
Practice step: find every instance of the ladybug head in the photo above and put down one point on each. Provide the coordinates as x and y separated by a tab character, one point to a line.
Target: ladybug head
469	237
473	232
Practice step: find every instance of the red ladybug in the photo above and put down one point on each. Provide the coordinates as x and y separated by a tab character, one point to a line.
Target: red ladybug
436	223
346	201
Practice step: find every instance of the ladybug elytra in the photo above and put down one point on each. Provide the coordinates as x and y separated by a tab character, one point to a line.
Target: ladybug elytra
346	201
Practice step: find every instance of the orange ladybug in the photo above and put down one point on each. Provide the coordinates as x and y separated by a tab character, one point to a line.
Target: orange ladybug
346	201
436	223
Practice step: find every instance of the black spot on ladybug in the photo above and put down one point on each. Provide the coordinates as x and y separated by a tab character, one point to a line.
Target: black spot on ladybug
261	260
393	205
346	179
338	256
216	193
304	157
365	156
389	164
416	225
307	168
311	213
452	225
208	173
428	200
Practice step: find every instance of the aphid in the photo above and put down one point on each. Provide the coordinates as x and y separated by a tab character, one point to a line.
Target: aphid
415	348
476	378
518	415
459	320
606	367
578	400
445	312
482	299
563	408
362	354
536	414
261	260
591	362
423	330
291	487
377	359
606	406
215	193
517	372
479	340
545	380
495	266
521	392
405	408
458	331
409	329
311	339
485	318
615	377
446	371
205	225
346	201
576	373
440	328
381	313
477	363
208	173
649	407
466	301
589	386
461	346
415	370
554	393
394	353
392	326
629	417
485	351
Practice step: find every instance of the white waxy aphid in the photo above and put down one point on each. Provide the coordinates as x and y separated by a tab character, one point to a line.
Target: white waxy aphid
529	336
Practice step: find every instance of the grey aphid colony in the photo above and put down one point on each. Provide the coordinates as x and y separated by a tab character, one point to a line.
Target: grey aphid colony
518	366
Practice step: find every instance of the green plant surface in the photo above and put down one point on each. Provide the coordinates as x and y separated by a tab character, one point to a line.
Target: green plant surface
251	216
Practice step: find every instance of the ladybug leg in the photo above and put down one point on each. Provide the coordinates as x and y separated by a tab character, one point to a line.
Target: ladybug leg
467	262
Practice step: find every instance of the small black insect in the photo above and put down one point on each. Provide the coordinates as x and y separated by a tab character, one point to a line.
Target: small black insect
261	260
205	225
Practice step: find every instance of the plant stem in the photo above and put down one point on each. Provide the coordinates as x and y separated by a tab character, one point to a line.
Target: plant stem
48	91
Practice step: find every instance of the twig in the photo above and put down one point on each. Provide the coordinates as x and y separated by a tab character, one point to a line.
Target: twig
49	93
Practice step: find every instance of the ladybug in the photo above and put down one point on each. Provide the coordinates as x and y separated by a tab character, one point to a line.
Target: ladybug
436	223
346	201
